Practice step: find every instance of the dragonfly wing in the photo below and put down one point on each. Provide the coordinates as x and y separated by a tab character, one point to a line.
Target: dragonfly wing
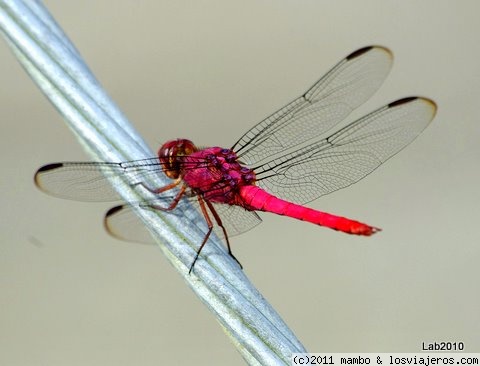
346	86
123	223
347	155
88	181
236	219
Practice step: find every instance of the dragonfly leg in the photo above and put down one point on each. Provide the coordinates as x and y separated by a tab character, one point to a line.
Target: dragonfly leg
219	223
207	235
174	202
202	202
175	183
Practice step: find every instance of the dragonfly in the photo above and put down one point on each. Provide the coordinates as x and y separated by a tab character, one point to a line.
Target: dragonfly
297	154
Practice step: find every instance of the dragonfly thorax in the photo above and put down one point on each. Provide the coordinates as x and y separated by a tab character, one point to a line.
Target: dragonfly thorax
216	173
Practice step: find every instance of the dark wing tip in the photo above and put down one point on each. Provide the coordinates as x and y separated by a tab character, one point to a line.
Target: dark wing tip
363	50
113	211
49	167
44	169
428	102
402	101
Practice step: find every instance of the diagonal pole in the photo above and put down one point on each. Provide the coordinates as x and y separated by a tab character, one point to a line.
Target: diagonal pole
258	332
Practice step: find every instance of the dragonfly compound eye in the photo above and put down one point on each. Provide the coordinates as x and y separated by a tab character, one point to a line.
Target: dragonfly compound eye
171	153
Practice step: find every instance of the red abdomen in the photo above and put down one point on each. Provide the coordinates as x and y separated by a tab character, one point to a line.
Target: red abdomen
255	198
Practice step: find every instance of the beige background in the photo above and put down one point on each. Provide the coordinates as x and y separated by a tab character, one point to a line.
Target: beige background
71	295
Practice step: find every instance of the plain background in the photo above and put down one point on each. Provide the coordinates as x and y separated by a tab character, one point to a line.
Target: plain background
71	295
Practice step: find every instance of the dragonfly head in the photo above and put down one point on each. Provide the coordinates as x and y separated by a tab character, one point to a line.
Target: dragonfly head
170	152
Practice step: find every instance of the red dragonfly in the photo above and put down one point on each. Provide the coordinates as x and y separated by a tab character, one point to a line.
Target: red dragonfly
290	158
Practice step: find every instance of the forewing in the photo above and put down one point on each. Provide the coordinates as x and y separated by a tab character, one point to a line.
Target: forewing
88	181
347	155
346	86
